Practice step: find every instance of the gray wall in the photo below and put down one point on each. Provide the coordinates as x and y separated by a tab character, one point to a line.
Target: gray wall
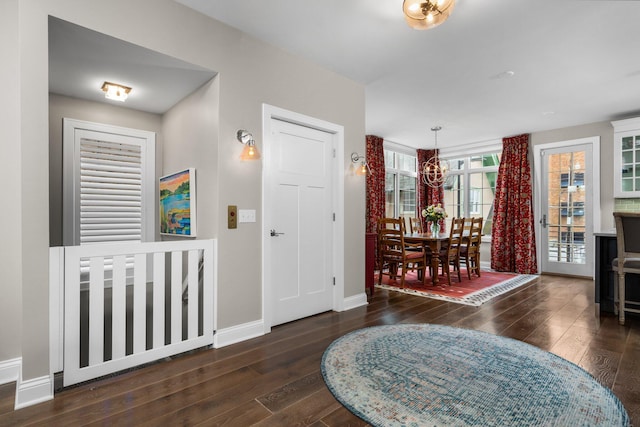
10	176
605	131
190	134
250	73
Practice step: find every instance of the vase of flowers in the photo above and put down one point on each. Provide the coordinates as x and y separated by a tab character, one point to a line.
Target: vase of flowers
434	214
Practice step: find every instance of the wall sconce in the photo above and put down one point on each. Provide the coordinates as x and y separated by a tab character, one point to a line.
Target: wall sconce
250	151
115	91
363	168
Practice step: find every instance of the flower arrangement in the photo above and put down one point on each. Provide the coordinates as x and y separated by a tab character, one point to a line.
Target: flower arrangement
434	213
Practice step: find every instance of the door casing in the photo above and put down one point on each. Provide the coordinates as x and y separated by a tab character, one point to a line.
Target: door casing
594	141
270	112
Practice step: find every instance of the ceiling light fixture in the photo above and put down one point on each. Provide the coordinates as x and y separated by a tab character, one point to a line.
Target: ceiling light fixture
250	151
426	14
115	91
434	170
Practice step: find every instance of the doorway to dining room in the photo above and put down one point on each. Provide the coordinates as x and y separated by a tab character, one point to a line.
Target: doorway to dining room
303	225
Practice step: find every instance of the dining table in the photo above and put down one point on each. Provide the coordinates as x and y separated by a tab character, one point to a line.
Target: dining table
433	242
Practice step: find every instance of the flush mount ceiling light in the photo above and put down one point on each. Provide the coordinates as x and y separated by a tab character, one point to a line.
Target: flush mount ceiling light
434	170
115	91
426	14
250	151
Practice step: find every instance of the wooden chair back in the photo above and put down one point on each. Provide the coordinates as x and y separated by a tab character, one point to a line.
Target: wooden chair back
628	260
393	253
390	239
451	256
416	225
471	253
468	222
475	233
455	236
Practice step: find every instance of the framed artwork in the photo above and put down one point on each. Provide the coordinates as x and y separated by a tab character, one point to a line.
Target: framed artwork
178	203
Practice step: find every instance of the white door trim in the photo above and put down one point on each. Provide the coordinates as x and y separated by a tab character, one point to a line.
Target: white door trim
595	154
270	112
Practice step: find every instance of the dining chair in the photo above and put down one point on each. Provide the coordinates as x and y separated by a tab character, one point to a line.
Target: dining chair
470	250
393	253
415	225
467	225
409	246
628	260
450	257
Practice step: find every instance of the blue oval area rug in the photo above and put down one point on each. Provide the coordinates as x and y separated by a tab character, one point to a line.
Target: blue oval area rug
433	375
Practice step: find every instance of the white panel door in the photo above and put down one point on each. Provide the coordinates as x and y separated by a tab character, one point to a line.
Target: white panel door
300	237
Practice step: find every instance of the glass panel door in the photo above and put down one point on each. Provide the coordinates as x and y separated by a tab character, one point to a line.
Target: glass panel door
566	211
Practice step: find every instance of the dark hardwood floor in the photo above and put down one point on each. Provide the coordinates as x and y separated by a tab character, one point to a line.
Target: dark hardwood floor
275	380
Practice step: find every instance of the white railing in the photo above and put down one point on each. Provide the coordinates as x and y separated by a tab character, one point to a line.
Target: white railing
131	307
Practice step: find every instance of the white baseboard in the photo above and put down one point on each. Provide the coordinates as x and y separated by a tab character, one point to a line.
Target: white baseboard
236	334
357	300
10	370
28	392
246	331
33	391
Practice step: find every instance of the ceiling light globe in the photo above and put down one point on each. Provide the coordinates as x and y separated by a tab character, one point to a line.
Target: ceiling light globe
426	14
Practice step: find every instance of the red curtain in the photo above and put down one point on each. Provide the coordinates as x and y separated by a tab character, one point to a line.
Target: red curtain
428	195
513	240
375	183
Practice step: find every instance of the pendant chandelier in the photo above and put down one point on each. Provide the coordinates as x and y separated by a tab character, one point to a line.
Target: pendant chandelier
426	14
434	170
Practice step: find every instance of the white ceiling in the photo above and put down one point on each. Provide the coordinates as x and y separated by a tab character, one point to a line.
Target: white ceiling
81	60
573	61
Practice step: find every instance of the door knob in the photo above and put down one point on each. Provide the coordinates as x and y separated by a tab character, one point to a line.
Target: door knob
274	233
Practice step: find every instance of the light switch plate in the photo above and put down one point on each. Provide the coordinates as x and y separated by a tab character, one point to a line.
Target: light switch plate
232	216
247	215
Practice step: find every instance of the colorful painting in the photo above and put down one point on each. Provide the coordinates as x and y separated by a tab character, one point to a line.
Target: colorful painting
178	203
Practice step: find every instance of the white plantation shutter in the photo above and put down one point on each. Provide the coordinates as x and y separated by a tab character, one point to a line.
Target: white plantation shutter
110	192
109	184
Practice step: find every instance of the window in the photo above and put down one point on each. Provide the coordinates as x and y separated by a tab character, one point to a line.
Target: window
400	183
572	237
109	182
578	180
576	210
475	198
470	187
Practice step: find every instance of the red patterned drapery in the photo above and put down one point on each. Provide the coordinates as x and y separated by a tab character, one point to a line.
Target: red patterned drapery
513	240
428	195
375	183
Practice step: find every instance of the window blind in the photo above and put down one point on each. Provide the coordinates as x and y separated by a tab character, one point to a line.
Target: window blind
111	181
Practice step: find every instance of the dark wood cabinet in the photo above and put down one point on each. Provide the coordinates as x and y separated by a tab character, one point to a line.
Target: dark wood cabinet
606	251
370	261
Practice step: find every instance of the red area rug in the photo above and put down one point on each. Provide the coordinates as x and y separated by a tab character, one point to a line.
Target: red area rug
474	292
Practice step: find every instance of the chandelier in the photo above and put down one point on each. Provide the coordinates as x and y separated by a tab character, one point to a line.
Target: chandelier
426	14
434	170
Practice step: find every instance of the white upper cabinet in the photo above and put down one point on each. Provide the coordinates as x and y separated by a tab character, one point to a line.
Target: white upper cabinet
626	160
